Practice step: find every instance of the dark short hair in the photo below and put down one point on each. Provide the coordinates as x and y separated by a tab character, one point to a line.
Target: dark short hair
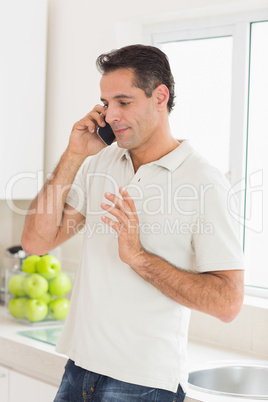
149	64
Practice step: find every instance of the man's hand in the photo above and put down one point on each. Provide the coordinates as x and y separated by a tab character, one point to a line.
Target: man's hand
126	225
84	140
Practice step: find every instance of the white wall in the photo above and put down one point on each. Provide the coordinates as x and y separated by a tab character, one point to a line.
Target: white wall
79	30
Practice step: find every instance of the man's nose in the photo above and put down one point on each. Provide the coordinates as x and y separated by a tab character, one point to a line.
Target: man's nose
112	115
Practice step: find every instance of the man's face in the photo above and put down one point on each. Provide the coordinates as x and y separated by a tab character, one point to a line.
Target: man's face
130	113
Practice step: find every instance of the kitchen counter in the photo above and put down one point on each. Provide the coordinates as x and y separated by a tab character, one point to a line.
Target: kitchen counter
28	356
39	360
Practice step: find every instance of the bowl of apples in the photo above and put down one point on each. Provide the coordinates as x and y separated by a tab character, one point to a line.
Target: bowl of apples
39	291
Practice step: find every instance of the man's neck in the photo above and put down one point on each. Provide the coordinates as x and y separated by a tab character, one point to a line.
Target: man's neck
158	150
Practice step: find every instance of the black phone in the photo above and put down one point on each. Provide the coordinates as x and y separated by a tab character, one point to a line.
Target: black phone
106	133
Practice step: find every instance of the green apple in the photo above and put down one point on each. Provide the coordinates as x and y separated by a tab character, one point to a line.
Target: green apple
35	285
36	310
48	266
60	285
17	307
29	264
58	308
46	297
15	285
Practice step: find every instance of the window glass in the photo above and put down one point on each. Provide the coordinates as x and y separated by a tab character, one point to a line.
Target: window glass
256	219
202	71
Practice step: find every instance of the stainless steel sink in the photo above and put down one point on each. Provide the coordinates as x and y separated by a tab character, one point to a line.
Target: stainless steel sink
247	381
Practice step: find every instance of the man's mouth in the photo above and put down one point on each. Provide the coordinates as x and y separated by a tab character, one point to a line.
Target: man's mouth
119	131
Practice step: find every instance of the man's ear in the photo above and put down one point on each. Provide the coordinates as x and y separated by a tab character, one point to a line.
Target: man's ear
161	94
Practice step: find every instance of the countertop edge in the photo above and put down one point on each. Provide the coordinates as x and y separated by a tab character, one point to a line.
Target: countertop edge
32	361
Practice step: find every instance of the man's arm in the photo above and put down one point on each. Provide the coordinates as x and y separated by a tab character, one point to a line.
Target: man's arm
49	219
219	294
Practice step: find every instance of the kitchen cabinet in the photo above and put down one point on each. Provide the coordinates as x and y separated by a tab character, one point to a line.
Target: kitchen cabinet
23	32
26	389
15	387
29	357
4	383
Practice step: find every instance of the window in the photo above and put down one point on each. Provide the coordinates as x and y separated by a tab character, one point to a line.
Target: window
202	71
221	76
256	219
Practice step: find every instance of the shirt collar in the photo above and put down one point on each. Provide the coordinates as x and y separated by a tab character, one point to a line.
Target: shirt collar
172	160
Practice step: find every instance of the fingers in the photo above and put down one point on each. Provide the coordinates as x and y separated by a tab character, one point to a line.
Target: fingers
96	115
125	204
114	225
129	201
123	210
117	213
92	120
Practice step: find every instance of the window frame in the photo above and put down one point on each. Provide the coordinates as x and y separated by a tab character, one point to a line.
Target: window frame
239	27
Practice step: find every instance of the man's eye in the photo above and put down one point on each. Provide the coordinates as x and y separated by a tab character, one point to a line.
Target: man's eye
106	105
124	103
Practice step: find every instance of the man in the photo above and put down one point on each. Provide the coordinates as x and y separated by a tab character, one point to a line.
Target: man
158	239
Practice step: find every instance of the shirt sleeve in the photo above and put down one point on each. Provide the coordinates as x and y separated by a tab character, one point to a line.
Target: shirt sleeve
219	247
77	196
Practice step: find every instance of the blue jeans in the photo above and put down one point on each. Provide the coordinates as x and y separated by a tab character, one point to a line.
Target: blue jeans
81	385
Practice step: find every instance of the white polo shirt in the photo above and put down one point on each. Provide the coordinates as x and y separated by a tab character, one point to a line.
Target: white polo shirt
118	324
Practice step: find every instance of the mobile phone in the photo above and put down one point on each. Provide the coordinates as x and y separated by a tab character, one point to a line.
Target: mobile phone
106	133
